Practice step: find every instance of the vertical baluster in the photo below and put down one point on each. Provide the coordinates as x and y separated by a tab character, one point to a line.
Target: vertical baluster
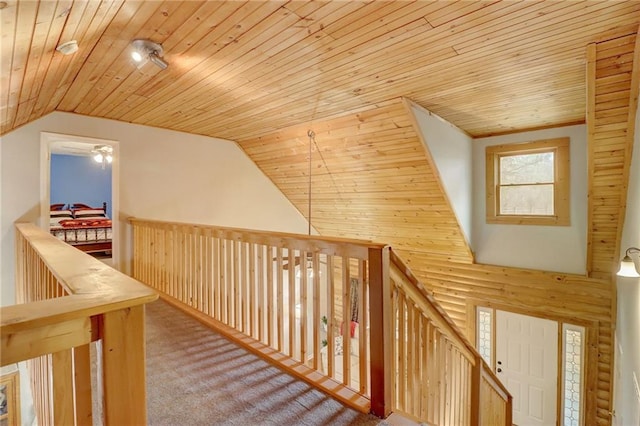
346	321
200	282
270	310
82	380
317	341
293	329
260	287
424	360
223	281
246	298
207	271
402	382
363	327
237	287
331	313
252	291
279	302
217	277
411	351
304	284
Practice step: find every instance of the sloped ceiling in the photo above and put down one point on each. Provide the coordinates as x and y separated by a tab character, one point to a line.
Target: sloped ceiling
370	179
241	69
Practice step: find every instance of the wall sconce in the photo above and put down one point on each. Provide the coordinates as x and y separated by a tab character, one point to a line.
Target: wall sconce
147	50
627	267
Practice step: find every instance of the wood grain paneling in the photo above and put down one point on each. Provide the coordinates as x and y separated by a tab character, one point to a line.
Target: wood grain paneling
613	78
370	179
242	69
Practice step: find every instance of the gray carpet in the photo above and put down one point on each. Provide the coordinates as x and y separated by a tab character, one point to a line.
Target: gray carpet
198	377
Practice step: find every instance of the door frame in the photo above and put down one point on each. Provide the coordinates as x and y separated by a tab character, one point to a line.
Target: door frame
46	141
591	336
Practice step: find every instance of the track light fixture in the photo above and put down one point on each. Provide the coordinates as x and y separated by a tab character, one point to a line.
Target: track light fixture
147	50
627	267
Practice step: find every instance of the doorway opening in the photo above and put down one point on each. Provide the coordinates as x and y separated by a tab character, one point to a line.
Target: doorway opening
540	361
79	193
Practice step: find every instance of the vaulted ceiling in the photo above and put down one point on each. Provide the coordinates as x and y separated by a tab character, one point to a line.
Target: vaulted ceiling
263	72
241	69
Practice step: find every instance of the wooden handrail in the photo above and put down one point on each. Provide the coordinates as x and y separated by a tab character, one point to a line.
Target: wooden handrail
236	281
67	300
253	283
333	246
480	403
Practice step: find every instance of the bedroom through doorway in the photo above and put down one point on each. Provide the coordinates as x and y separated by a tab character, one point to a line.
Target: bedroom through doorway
79	193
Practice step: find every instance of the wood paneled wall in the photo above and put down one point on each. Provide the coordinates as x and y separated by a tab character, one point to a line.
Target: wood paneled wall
562	297
612	92
370	179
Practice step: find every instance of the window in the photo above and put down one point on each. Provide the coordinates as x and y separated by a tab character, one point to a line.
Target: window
485	334
572	374
528	183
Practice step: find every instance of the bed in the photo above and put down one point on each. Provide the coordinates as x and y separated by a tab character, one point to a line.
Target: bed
84	227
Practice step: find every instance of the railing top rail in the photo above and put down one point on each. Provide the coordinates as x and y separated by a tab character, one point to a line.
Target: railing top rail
313	243
430	300
94	287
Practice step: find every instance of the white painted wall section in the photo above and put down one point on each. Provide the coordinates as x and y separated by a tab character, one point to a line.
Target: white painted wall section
451	150
548	248
627	360
164	175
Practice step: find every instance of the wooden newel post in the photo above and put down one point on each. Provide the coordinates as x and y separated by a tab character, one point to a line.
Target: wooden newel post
509	414
381	333
476	384
123	352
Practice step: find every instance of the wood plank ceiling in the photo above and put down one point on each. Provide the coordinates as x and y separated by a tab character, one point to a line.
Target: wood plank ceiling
241	69
370	179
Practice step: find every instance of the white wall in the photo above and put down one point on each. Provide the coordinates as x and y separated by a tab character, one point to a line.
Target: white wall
627	361
163	175
549	248
451	150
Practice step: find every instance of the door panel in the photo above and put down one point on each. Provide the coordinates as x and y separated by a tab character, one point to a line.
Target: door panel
527	362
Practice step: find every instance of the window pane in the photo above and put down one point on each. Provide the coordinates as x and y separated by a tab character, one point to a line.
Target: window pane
484	334
572	383
528	168
527	200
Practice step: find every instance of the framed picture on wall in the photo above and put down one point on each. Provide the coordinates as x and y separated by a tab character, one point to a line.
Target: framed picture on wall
9	397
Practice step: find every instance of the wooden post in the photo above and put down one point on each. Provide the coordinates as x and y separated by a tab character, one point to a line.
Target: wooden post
82	377
62	366
476	383
123	353
509	414
380	319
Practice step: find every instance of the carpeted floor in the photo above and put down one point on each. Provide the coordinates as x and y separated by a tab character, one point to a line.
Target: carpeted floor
197	377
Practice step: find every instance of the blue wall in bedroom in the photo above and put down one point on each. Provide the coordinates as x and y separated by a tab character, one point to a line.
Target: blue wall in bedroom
76	179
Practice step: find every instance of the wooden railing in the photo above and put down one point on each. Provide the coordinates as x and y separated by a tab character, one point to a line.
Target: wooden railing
440	378
272	291
295	297
66	301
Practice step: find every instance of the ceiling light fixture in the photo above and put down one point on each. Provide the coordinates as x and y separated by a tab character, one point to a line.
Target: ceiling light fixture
627	267
147	50
102	154
68	48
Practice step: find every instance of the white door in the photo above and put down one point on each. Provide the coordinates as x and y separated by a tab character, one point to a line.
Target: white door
527	363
